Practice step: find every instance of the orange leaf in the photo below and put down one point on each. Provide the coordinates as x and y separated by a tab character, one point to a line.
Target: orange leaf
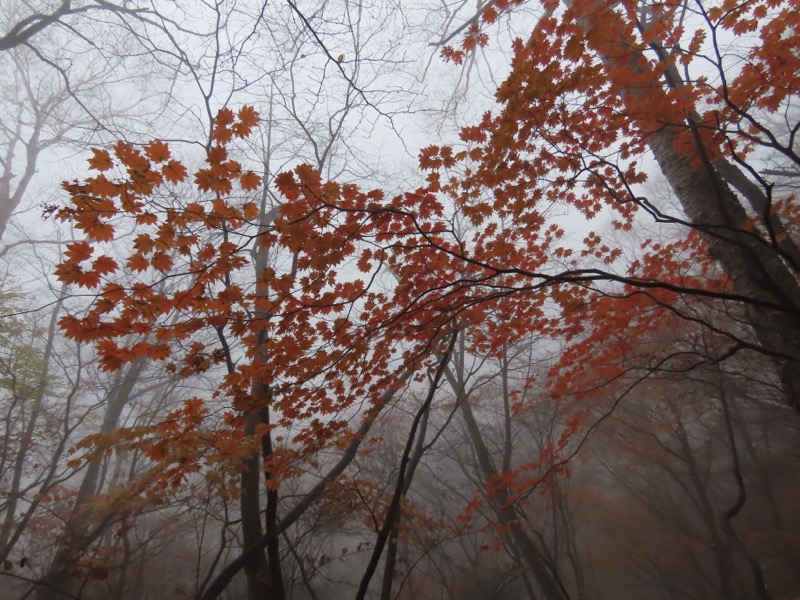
79	251
146	219
110	355
103	187
114	292
102	232
161	261
216	155
137	262
68	272
104	264
224	117
250	181
101	161
157	151
286	184
130	156
250	210
174	171
489	15
223	135
206	181
249	116
143	243
208	252
72	327
89	279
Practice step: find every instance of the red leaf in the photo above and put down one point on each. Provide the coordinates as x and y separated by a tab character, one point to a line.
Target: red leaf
89	279
217	155
104	265
79	251
249	116
224	117
161	261
174	172
138	263
250	181
101	161
157	151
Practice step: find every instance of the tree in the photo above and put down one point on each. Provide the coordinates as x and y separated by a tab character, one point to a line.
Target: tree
617	63
38	18
311	341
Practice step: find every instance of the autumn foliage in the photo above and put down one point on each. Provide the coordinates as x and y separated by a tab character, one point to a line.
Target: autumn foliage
309	332
315	310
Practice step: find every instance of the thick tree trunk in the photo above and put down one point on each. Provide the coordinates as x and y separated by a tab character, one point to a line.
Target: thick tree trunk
755	270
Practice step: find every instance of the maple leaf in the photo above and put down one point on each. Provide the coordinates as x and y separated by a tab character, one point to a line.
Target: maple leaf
217	154
207	181
174	171
131	157
88	279
207	252
161	261
99	231
157	151
137	262
250	210
68	272
287	185
71	326
489	15
111	356
144	243
241	130
364	262
102	186
250	181
103	265
79	251
224	117
223	135
114	292
146	219
248	115
195	207
101	161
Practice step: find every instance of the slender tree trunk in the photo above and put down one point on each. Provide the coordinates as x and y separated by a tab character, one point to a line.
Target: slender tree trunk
10	200
82	528
263	572
255	569
13	526
721	545
544	573
390	563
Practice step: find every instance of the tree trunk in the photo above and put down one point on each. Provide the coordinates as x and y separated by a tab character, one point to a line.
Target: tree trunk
82	528
755	269
543	572
255	569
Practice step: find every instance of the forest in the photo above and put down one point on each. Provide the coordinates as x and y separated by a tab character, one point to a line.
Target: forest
392	300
